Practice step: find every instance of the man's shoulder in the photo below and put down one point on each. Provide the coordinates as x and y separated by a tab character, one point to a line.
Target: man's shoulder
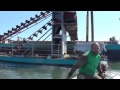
83	58
99	55
86	53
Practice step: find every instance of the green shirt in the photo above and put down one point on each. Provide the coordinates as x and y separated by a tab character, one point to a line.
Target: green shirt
89	68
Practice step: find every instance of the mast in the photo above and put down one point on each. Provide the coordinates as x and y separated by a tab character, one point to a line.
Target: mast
87	26
92	27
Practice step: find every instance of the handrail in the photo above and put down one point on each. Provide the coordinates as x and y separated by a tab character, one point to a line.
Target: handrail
37	49
42	43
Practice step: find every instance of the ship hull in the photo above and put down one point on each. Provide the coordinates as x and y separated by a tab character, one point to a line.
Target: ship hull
41	61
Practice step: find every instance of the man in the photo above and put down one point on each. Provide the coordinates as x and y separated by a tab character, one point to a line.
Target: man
88	64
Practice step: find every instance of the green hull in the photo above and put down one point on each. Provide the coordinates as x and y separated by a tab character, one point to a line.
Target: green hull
66	62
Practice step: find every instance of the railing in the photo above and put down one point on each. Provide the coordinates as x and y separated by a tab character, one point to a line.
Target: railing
34	50
40	49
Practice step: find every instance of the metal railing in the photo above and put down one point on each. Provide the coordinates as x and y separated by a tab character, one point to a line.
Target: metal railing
34	50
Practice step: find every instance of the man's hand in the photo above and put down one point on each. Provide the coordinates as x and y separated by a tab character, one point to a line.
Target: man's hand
102	75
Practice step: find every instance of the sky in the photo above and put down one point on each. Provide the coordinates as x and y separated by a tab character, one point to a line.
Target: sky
106	24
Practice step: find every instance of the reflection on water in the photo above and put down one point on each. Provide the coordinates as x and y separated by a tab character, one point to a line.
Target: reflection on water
27	71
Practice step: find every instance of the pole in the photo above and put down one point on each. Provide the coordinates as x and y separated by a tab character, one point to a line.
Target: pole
87	26
92	26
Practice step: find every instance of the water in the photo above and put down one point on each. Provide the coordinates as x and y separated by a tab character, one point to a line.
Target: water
114	70
27	71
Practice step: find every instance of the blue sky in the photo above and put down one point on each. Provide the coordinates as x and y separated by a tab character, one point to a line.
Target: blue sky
106	24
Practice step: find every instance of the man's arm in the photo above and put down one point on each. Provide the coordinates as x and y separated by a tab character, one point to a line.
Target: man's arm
77	65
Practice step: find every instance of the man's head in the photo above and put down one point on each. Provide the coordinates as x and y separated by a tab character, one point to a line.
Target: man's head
95	48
